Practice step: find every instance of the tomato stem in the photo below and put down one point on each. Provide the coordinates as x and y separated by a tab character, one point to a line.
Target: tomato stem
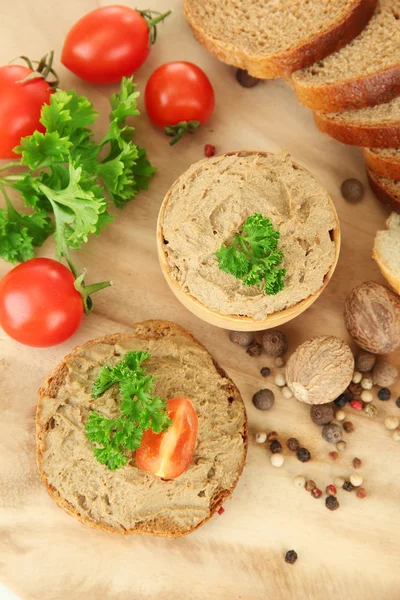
177	131
152	22
86	290
44	67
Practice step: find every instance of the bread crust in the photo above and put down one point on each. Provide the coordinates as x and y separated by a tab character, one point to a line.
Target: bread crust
379	88
288	61
151	329
383	165
382	193
392	281
360	134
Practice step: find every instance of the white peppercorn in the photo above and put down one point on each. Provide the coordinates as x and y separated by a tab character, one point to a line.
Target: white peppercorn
396	435
341	445
261	437
391	423
366	383
356	479
340	415
280	380
357	376
277	460
287	393
299	481
339	481
279	362
367	396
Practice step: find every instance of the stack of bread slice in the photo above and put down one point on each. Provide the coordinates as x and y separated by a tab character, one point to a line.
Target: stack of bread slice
342	58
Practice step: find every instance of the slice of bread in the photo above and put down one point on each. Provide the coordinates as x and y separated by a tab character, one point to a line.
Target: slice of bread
386	251
363	73
386	190
129	500
273	39
384	162
376	127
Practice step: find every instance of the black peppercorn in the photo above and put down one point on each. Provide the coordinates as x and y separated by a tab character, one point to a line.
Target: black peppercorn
322	414
303	455
352	190
384	394
293	444
265	371
344	398
356	389
349	487
331	502
275	446
254	349
291	557
246	80
398	402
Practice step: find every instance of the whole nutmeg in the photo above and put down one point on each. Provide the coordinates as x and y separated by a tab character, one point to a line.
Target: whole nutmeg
322	414
365	361
242	338
372	317
264	399
384	374
274	343
332	433
320	370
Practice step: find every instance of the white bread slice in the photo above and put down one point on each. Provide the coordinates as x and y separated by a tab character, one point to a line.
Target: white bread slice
386	251
363	73
376	126
384	161
386	190
130	500
274	38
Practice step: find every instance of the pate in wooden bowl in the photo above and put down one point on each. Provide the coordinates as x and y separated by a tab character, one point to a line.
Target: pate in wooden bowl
207	207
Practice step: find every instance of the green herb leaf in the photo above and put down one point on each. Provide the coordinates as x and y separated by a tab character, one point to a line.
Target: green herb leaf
69	174
140	410
253	256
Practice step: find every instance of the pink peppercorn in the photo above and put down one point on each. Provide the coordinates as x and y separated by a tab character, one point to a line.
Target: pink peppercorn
330	490
316	493
209	150
357	404
333	455
221	510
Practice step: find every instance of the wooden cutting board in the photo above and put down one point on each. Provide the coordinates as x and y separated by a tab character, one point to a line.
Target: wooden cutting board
353	553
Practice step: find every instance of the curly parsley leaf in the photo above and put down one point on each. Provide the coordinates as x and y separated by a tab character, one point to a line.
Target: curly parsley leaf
253	256
69	174
140	410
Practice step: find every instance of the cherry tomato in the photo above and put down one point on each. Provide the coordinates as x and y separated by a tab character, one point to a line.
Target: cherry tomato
169	454
179	91
20	106
39	305
107	44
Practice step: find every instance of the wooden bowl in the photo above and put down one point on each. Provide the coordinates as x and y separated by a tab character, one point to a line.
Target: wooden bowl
236	322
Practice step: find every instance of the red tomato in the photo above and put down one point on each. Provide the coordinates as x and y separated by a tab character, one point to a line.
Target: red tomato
20	106
39	305
107	44
179	91
169	454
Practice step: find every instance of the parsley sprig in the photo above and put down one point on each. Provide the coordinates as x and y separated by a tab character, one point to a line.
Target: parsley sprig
66	178
140	410
253	256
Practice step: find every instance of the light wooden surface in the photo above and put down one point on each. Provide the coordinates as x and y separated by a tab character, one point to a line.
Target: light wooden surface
353	553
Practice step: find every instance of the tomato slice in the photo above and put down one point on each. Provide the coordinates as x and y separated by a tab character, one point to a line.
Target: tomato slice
169	454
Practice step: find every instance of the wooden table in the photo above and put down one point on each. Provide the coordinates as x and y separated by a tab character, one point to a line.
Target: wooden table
353	553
